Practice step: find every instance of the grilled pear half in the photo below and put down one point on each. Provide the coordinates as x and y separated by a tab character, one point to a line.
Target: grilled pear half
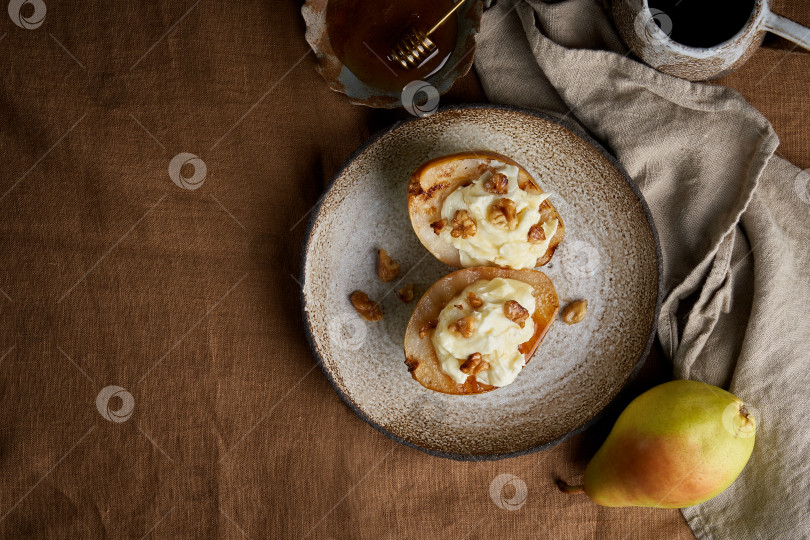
431	183
420	355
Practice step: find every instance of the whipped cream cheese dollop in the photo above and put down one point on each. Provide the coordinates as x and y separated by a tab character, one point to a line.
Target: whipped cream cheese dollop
494	336
495	243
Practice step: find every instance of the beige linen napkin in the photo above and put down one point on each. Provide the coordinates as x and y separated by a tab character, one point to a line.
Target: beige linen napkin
733	222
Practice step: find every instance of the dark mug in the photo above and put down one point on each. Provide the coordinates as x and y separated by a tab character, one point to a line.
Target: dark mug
647	32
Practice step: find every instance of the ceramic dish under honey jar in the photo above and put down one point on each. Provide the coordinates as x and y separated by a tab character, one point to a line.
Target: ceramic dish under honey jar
352	40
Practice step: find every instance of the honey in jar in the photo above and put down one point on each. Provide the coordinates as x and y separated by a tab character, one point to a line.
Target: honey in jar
362	33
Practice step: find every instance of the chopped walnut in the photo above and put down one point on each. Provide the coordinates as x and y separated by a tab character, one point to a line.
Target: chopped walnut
387	268
428	326
575	312
474	301
438	226
406	293
536	234
474	365
497	184
463	225
503	213
464	326
515	312
367	309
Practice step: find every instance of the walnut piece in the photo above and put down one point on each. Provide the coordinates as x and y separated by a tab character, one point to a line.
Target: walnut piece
464	326
503	213
438	226
536	234
387	268
497	184
367	309
428	326
406	293
515	312
463	225
575	312
474	301
474	365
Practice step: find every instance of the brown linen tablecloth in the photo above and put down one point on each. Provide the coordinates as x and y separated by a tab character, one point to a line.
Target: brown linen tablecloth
112	275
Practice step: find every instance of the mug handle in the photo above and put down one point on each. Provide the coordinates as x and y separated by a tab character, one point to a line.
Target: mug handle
792	31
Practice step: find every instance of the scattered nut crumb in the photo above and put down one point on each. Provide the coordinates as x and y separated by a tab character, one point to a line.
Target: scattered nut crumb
463	225
474	365
464	326
438	226
406	293
459	306
474	301
503	213
497	184
428	326
515	312
575	312
387	268
536	234
367	309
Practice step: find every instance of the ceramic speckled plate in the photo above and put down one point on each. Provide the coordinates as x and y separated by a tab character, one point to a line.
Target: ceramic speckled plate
609	256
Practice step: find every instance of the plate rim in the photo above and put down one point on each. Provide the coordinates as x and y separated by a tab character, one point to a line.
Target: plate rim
576	129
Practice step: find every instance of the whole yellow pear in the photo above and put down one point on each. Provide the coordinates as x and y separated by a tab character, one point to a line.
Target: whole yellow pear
676	445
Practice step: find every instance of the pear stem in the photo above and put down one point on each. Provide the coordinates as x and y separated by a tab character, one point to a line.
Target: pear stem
565	487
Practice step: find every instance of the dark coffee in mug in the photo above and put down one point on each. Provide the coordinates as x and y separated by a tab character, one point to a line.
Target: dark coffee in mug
701	23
